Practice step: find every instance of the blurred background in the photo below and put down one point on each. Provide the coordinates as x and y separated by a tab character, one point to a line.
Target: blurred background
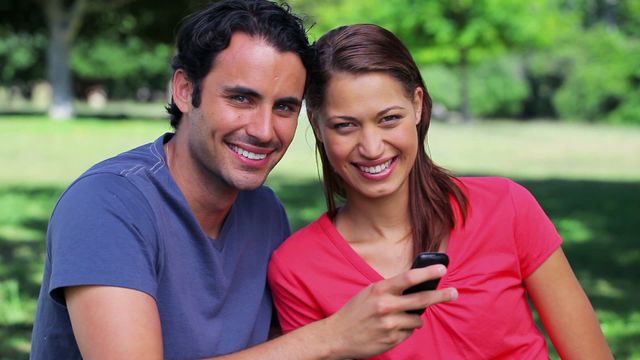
546	92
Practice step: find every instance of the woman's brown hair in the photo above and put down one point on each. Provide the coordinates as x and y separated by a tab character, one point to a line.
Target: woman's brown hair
366	48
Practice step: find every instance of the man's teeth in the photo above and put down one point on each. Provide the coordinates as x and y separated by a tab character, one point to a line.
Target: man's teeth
376	169
248	154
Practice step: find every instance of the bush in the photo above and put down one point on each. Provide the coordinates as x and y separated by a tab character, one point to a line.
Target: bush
443	85
497	87
603	78
124	66
22	57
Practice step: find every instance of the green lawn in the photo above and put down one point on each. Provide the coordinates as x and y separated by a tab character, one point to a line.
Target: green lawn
587	177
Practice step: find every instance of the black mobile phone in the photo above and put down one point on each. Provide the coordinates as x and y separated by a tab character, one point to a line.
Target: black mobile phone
425	259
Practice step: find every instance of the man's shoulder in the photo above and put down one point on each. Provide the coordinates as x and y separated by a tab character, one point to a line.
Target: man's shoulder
116	179
147	157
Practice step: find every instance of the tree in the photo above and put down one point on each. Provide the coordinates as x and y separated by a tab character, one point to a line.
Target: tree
64	22
155	22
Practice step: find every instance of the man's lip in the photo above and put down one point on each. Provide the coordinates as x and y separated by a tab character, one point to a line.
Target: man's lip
246	155
265	150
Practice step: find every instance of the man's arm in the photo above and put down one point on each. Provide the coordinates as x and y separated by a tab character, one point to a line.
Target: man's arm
374	321
565	310
115	323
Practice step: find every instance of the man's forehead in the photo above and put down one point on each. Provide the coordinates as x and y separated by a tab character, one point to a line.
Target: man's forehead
242	44
250	62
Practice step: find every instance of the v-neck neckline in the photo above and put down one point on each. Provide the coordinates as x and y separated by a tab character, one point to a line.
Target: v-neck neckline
356	260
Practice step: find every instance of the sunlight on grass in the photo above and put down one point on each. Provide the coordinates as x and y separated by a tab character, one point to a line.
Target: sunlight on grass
538	150
15	308
622	332
600	287
17	234
573	230
35	150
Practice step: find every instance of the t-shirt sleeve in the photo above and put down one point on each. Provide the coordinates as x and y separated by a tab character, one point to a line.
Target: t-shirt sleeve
535	235
294	305
101	233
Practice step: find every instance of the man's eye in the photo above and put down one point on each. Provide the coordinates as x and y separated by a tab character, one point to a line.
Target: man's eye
283	107
240	98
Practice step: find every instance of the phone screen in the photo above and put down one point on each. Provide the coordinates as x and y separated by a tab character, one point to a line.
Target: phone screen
425	259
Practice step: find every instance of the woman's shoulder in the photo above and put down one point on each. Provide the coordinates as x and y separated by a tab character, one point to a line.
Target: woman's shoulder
485	181
488	185
491	189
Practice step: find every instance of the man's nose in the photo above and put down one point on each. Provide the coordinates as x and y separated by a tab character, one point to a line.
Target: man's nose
260	126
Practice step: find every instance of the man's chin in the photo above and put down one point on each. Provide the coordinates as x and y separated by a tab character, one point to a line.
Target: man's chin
251	183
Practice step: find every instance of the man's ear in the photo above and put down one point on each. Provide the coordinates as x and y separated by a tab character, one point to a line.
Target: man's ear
182	89
418	98
314	125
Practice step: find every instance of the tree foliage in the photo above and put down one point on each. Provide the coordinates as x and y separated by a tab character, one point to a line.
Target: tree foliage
603	78
492	58
459	33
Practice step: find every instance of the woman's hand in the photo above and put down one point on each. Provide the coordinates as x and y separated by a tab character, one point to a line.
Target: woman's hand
376	319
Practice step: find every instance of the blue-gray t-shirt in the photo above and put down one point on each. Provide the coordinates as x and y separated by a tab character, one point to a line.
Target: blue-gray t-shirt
125	223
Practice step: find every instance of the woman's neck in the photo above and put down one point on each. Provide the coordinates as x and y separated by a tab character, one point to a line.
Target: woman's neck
379	230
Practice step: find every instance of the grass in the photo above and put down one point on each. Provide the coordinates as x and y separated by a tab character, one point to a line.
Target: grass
587	178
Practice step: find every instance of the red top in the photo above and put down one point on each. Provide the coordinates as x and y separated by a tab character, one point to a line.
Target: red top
506	237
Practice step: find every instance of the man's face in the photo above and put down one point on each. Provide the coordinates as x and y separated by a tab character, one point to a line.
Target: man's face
251	100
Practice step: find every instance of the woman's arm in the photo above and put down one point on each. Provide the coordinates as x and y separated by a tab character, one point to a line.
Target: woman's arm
565	310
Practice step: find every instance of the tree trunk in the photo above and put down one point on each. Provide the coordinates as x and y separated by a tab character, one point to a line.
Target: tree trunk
64	24
464	86
59	74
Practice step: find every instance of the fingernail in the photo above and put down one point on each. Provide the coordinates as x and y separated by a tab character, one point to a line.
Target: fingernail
442	269
454	294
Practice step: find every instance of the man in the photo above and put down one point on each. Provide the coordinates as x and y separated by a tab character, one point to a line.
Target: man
162	251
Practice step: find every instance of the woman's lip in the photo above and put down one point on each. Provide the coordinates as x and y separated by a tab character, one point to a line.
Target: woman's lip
379	171
374	162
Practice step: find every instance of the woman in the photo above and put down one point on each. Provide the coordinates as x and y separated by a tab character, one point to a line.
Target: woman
370	112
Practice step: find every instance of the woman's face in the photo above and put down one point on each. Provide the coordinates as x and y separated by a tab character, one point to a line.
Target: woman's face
368	129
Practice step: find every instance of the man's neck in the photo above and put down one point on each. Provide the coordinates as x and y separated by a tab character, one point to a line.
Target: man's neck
209	199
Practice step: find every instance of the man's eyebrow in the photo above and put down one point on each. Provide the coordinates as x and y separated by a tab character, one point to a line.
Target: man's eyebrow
241	90
249	92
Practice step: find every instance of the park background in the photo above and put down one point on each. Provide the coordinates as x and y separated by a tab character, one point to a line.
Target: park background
546	92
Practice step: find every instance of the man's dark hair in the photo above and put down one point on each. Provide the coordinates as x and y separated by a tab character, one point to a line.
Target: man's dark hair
203	35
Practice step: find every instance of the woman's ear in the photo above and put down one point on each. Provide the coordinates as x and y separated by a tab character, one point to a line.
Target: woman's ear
182	89
313	119
418	98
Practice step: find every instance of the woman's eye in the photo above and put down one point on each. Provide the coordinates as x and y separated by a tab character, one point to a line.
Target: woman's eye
342	125
391	118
